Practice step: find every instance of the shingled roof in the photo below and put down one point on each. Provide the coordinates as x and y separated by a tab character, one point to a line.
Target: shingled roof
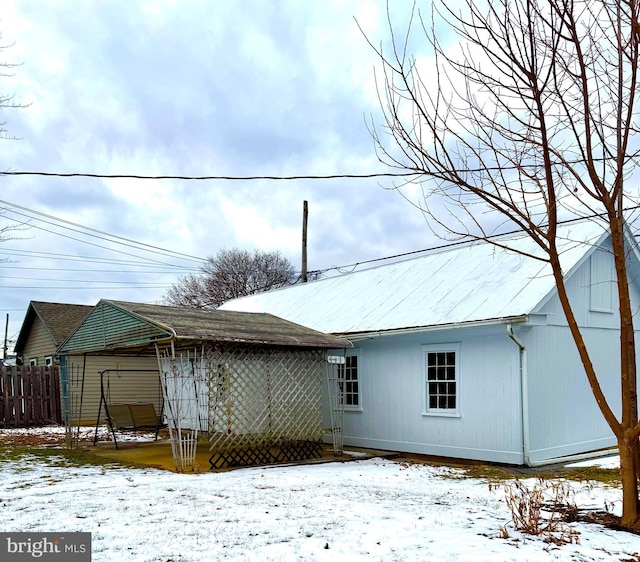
60	319
117	325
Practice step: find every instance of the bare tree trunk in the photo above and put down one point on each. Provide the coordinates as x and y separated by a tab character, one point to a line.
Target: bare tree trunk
628	444
530	119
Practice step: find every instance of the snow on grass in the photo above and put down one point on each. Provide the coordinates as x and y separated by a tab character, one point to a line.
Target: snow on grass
358	510
56	434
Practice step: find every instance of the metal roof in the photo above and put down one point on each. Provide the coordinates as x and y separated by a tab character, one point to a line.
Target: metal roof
60	319
120	325
472	282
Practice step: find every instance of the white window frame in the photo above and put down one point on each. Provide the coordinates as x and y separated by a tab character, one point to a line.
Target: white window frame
440	348
357	353
33	362
49	361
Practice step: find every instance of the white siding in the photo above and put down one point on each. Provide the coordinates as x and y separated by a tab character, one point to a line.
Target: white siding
564	416
392	382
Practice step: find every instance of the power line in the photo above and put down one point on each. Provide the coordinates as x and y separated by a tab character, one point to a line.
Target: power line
119	271
91	288
129	242
137	283
415	172
93	244
353	266
58	256
205	178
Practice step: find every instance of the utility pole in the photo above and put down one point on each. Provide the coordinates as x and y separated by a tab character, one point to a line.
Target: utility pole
305	216
6	333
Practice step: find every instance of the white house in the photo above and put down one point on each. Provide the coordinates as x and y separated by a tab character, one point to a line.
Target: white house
465	351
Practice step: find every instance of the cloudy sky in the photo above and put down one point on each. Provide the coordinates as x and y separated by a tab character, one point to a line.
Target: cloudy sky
189	88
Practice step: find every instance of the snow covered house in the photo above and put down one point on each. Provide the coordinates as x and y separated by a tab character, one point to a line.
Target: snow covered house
465	351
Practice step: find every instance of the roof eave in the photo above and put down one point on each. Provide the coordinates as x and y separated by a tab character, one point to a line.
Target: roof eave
335	342
355	336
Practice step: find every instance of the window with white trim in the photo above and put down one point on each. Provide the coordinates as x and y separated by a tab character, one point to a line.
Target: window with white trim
48	361
351	385
33	362
441	378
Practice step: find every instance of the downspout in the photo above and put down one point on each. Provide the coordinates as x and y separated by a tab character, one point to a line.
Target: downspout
524	393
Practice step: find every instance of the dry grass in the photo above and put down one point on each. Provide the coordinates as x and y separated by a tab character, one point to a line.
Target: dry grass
542	510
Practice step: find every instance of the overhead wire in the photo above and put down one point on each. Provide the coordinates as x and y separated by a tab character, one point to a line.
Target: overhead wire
93	270
130	242
209	178
170	253
154	251
92	259
370	175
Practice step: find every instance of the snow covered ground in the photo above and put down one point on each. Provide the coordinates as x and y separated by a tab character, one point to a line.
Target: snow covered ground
372	509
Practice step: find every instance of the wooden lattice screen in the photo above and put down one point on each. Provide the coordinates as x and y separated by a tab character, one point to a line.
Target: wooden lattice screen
265	405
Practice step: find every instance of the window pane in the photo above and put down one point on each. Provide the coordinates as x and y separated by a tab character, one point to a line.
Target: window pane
350	387
441	380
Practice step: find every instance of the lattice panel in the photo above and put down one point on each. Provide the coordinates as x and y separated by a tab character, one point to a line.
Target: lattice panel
265	405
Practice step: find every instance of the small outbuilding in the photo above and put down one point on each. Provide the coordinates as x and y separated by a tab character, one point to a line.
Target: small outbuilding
252	382
465	351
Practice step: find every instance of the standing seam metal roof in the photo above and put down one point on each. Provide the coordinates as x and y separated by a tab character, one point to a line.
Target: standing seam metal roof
465	283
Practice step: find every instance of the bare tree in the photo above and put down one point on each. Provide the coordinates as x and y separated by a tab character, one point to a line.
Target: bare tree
530	117
7	102
7	232
231	274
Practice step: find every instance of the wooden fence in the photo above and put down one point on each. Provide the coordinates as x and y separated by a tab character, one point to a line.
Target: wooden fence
29	396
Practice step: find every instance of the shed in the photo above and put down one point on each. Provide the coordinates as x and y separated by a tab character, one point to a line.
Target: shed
465	351
253	382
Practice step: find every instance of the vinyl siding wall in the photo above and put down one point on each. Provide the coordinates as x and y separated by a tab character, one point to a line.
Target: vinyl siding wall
39	344
393	393
123	387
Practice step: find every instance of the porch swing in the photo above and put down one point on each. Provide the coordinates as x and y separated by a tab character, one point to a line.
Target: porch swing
126	416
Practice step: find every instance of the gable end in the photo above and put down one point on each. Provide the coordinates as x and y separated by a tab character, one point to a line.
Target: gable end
109	327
